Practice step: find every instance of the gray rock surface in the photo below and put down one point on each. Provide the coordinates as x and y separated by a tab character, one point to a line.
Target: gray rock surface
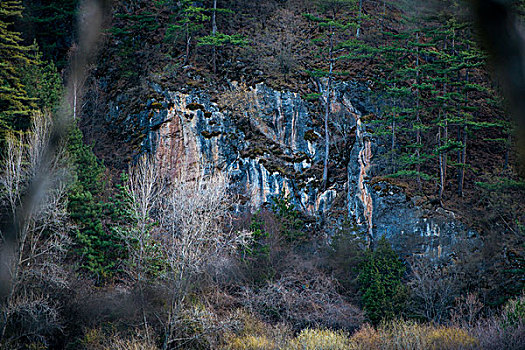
275	146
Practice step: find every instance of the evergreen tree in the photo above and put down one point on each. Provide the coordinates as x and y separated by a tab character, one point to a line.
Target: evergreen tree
330	23
52	24
427	76
15	104
100	248
41	80
187	22
217	39
382	292
132	31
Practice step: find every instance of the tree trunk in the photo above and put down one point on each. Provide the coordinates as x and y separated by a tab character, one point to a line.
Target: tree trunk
75	100
188	40
214	32
360	19
507	151
418	121
327	112
442	174
463	162
443	139
393	138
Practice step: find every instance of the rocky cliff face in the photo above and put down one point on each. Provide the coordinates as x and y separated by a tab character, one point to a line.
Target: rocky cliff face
270	143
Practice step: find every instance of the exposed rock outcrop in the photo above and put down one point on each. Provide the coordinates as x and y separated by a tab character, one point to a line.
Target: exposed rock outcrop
275	146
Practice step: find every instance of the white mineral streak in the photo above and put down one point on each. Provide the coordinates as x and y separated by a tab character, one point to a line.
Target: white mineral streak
279	123
365	161
182	150
293	136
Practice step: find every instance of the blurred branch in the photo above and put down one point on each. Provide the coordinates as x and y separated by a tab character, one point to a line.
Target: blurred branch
502	35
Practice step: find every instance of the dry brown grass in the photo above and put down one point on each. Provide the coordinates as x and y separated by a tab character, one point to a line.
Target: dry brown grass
407	335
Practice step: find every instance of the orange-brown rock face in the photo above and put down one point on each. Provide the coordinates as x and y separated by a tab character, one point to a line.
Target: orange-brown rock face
271	143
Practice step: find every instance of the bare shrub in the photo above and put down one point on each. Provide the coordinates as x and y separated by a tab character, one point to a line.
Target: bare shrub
131	344
409	335
251	342
493	336
242	101
32	318
98	339
467	310
506	331
433	287
367	337
450	338
250	333
193	237
36	274
281	57
305	297
400	334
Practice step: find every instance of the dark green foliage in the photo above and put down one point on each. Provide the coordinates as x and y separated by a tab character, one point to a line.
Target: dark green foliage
186	22
52	24
345	255
87	167
135	29
312	96
42	81
27	82
100	249
187	27
514	312
429	78
256	257
292	226
380	279
15	104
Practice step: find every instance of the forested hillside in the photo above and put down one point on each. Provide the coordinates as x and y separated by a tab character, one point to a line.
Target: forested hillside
274	174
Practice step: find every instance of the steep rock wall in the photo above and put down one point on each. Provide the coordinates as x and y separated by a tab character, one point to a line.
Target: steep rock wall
265	156
278	149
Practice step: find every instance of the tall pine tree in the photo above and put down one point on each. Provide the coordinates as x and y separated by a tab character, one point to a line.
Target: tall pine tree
330	24
15	105
52	24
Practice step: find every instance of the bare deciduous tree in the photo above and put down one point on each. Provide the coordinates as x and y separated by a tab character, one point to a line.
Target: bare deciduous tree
433	288
144	188
303	296
194	236
467	310
41	242
190	236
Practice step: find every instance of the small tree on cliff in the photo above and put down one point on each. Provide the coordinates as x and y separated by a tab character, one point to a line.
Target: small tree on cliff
187	22
330	24
217	39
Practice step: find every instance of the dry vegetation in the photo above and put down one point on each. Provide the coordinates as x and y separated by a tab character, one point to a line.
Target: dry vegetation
184	268
196	278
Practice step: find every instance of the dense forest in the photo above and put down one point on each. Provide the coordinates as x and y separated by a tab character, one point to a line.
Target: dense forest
273	174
